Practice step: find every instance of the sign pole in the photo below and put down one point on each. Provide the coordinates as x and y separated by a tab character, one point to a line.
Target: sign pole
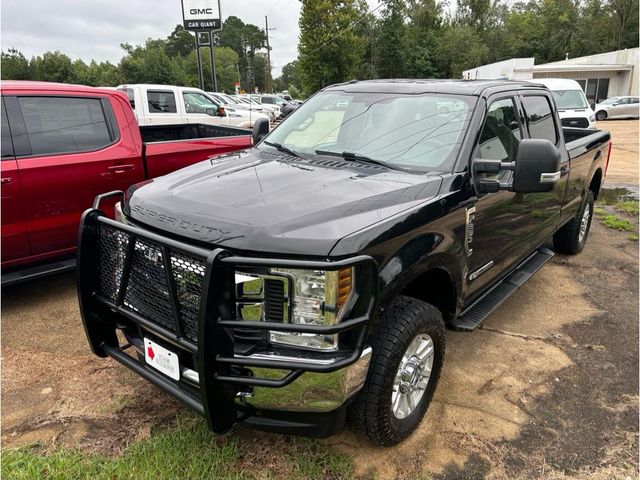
203	16
199	62
212	55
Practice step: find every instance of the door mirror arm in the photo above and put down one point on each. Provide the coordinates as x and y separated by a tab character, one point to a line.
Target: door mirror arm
492	166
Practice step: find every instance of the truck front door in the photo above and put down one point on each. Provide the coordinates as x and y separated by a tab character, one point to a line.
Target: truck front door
498	223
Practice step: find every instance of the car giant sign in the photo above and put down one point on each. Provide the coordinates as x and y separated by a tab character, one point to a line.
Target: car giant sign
201	14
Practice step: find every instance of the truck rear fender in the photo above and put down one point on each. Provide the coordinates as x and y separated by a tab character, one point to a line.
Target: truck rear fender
596	183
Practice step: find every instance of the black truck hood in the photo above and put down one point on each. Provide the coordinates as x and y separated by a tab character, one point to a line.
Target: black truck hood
273	203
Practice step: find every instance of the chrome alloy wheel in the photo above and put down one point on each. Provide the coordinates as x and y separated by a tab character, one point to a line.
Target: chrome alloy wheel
412	376
584	223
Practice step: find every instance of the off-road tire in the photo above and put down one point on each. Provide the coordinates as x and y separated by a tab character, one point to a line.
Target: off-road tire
601	115
371	413
567	239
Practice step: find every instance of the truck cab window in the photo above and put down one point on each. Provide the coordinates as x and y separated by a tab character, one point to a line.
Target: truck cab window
64	124
198	103
540	118
500	134
161	101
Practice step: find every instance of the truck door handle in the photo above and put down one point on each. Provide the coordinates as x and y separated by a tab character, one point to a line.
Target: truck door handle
120	168
6	180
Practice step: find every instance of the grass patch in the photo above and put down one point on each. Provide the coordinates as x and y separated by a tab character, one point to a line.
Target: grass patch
628	206
634	237
617	223
189	451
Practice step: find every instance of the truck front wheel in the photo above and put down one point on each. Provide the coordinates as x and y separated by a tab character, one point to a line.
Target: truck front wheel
572	237
408	351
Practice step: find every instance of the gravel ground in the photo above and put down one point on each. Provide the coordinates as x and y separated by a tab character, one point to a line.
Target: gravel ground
547	388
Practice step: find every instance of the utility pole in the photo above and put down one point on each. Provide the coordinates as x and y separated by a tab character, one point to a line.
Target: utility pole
268	72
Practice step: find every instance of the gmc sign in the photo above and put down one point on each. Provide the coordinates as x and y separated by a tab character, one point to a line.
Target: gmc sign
201	14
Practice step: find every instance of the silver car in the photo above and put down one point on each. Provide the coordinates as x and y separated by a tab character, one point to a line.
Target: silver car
618	107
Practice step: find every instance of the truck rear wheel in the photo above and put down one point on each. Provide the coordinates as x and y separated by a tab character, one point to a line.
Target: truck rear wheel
572	237
408	352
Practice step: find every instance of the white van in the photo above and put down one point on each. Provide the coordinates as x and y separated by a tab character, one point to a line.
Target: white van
573	108
166	105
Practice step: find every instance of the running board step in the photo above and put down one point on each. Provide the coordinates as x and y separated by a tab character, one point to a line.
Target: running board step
477	313
32	273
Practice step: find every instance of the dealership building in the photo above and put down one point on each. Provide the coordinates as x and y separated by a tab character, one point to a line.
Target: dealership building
601	76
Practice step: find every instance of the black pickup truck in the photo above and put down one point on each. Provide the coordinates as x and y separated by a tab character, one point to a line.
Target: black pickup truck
310	280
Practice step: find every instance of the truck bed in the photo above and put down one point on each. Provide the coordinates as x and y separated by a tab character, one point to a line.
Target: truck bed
187	131
579	140
170	147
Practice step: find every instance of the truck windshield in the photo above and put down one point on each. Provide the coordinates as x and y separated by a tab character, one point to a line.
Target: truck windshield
569	99
416	132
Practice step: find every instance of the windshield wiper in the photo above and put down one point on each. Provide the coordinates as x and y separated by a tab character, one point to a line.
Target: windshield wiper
282	148
355	157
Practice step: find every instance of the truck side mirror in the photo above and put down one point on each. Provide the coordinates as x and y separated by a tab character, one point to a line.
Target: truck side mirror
537	166
536	169
260	129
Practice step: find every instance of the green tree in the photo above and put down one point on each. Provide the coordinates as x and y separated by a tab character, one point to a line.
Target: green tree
53	67
392	41
329	49
424	27
15	66
460	47
180	43
151	64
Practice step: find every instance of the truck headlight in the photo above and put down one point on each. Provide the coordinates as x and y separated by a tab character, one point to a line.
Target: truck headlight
313	297
592	118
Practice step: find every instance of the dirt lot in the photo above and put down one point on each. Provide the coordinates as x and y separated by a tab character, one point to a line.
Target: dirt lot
623	169
547	388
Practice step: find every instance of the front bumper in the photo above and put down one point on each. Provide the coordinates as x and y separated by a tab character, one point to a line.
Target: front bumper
224	378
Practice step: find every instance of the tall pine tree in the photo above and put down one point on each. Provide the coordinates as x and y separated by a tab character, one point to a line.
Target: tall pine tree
330	48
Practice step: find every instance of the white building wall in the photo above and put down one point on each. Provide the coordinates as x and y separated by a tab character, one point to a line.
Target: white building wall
620	83
505	69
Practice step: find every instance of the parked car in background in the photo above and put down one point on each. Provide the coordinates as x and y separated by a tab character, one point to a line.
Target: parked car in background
253	100
286	106
331	256
618	107
166	104
64	144
573	108
230	102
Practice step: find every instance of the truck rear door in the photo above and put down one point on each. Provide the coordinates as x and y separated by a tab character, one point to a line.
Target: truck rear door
15	243
69	148
160	107
544	208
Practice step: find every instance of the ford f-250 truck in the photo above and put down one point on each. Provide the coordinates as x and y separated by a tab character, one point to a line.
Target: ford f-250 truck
64	144
310	279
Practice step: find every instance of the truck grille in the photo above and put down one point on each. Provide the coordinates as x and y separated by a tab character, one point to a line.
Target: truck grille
148	289
576	122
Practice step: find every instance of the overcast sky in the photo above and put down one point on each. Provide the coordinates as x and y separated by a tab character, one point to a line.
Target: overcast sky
94	29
